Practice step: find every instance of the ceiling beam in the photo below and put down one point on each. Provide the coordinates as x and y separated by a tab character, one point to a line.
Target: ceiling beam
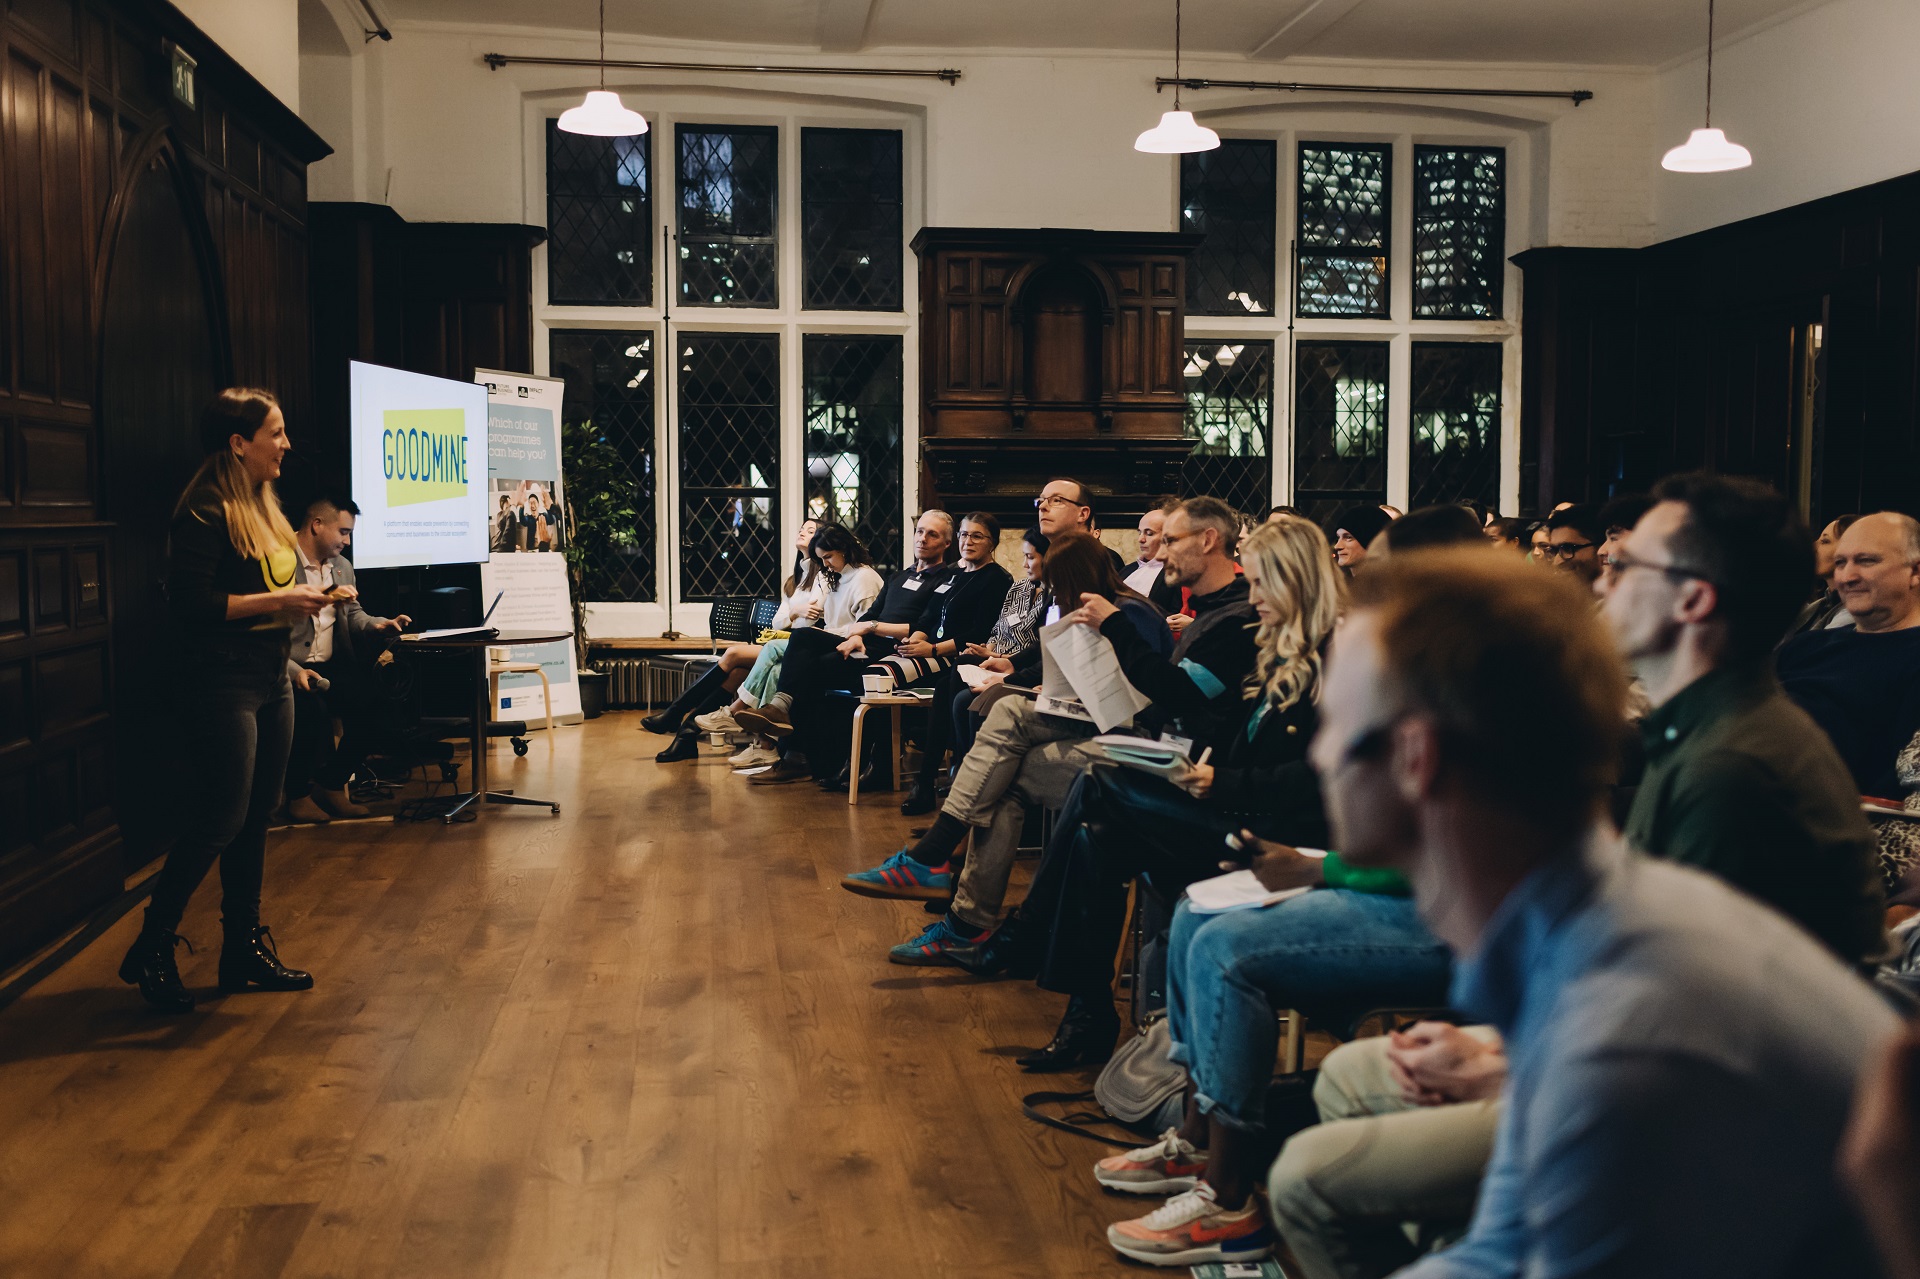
844	23
1303	27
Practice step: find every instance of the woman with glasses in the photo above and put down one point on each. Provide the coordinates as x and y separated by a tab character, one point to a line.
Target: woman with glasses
961	612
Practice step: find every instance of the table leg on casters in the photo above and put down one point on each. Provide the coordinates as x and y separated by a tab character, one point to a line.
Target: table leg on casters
477	746
853	760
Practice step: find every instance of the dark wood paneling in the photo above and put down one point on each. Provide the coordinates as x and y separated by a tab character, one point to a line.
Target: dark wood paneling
110	193
1639	363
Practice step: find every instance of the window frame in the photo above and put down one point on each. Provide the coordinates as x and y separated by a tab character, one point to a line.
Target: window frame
664	111
1403	130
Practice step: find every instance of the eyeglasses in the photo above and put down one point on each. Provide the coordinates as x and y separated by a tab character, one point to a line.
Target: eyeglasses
1052	499
1621	562
1566	550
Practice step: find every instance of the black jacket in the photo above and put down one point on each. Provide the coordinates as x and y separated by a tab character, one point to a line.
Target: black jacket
203	569
1196	691
965	606
1267	776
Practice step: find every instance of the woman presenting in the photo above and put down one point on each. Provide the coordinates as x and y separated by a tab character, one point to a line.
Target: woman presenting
233	590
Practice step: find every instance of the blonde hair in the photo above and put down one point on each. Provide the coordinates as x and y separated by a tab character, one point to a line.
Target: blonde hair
256	525
1290	556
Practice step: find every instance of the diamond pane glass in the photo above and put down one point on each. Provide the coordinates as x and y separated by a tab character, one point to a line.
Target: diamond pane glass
1456	423
729	180
729	464
1339	427
1344	205
1230	421
1228	195
1459	232
607	428
599	218
855	406
852	243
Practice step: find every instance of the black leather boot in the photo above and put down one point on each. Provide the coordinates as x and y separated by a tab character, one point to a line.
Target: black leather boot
149	965
249	959
1085	1038
695	701
919	800
1012	949
686	745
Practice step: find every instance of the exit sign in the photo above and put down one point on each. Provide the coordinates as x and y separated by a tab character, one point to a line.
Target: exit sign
183	69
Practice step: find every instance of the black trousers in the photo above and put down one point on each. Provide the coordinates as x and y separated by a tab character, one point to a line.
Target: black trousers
315	760
238	717
822	724
1118	824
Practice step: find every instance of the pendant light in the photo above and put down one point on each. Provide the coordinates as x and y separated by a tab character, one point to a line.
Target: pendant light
1178	133
603	115
1707	150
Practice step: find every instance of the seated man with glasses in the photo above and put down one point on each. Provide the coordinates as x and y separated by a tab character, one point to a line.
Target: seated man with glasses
1066	506
1574	537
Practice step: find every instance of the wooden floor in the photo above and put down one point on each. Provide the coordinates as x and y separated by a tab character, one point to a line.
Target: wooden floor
647	1037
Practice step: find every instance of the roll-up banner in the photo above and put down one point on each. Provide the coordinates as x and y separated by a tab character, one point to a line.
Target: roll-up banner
526	532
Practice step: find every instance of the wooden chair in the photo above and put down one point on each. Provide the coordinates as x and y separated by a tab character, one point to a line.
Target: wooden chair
498	666
894	702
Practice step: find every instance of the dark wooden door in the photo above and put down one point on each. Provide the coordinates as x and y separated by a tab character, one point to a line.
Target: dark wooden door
159	363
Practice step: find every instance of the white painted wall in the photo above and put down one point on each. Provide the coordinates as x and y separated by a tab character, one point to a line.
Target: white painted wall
261	35
1826	101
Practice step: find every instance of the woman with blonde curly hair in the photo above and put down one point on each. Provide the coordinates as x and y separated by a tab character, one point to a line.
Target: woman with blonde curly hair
1120	823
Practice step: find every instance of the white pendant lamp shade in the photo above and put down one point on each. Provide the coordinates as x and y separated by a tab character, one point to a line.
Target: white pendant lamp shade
1178	133
603	115
1706	151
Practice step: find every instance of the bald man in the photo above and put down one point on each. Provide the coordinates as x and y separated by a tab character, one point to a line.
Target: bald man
1862	684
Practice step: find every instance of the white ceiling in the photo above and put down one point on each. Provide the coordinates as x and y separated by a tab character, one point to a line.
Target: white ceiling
1590	32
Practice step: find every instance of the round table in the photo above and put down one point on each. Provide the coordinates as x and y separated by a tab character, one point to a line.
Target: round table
478	642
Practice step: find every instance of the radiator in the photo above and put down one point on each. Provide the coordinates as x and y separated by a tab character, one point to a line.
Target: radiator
636	682
626	681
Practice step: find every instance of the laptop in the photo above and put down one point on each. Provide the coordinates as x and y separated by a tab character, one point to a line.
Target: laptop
482	631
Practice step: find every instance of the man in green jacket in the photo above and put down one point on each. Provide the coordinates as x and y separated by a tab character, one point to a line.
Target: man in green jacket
1739	782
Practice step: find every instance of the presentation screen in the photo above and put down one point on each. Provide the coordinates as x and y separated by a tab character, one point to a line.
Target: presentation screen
419	469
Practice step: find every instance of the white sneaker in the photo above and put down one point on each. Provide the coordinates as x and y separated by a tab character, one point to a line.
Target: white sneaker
720	721
756	755
1167	1167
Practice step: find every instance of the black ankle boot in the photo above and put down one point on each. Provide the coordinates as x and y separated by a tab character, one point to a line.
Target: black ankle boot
661	722
1085	1038
686	745
1012	949
919	800
149	965
249	959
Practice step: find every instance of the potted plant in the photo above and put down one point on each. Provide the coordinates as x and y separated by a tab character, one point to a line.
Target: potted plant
603	519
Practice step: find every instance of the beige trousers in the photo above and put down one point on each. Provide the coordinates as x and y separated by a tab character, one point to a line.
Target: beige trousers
1344	1191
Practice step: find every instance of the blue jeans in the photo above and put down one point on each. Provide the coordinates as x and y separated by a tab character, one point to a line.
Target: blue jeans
764	679
1330	953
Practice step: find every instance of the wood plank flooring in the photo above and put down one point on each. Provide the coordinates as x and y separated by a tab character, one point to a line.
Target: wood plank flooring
649	1037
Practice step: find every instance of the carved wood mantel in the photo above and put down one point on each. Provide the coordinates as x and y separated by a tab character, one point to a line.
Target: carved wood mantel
1051	352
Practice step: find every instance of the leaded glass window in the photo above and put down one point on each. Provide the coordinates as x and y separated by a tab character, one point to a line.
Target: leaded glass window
1456	423
1343	210
729	183
1459	232
1230	421
852	242
1340	427
599	218
1228	195
729	464
608	407
855	407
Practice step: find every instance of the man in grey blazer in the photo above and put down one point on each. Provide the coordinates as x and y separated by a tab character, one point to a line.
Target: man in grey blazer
329	664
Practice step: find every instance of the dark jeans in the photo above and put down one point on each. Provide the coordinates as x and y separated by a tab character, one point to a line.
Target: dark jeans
315	759
823	725
949	724
238	724
1118	824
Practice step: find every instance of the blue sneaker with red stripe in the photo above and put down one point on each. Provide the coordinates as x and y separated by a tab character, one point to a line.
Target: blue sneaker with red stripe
930	948
902	877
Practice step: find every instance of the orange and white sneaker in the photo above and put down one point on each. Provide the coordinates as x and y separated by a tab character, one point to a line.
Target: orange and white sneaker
1191	1228
1167	1167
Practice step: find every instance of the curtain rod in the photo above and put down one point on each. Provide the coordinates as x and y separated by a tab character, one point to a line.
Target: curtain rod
378	31
498	60
1576	96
